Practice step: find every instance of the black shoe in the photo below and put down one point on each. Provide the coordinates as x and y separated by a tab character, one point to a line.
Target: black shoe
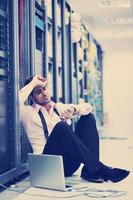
95	178
105	174
114	174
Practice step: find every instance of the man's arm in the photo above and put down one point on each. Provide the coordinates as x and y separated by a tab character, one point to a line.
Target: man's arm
68	111
24	93
26	90
81	109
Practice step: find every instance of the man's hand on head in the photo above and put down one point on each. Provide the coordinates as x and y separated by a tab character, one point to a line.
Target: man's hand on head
38	80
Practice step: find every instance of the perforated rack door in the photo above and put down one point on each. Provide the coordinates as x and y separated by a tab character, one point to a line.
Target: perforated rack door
31	53
8	139
25	66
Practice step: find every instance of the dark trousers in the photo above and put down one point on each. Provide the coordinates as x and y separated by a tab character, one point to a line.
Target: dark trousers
80	146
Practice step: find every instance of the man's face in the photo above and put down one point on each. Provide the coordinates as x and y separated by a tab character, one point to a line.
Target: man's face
41	95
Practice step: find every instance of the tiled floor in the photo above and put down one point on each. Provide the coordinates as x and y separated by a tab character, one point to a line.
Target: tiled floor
114	152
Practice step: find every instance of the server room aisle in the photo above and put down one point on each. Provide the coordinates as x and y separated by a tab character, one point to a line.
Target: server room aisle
94	65
115	152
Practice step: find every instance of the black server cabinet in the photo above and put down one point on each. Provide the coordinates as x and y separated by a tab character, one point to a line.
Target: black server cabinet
9	132
100	110
24	69
32	51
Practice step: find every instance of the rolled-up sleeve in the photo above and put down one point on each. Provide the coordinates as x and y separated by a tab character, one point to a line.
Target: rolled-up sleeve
23	96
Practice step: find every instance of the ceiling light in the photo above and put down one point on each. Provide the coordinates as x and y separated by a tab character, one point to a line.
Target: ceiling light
114	3
122	20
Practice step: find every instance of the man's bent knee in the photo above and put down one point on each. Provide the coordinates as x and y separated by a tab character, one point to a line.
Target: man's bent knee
90	117
62	127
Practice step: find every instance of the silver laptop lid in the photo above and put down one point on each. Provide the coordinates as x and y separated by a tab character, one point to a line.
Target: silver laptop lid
46	171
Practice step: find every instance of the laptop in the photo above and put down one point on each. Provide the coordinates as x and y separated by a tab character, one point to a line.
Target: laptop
47	171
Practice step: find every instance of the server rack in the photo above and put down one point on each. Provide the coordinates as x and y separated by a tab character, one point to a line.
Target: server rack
84	43
61	49
32	54
94	78
58	53
25	68
48	65
98	97
100	109
81	73
9	134
89	66
64	23
54	54
76	73
69	57
80	61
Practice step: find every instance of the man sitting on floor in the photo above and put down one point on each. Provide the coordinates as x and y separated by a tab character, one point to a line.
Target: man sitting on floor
49	133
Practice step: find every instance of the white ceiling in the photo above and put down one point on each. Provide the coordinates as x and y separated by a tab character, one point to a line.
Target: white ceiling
96	18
